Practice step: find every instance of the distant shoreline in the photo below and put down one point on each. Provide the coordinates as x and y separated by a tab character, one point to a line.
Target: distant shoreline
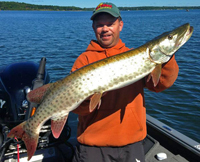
31	7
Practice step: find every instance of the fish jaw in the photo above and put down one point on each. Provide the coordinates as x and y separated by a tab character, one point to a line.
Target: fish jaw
185	32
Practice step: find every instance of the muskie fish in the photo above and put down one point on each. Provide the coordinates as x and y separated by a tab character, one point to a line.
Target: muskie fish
59	98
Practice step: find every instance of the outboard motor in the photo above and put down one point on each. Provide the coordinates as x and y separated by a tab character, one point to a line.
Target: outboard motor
16	80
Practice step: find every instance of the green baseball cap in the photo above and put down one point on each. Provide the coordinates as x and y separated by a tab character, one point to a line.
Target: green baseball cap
106	7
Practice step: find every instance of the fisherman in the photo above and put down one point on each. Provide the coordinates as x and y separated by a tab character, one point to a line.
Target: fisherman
115	131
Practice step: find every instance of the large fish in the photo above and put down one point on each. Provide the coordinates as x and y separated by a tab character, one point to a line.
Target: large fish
59	98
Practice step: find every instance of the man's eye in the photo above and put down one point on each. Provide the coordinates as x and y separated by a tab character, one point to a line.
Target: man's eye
99	25
109	24
102	25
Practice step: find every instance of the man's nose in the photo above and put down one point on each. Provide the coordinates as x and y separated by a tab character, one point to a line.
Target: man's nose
105	28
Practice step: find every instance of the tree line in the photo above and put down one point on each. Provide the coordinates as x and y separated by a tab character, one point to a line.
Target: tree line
26	6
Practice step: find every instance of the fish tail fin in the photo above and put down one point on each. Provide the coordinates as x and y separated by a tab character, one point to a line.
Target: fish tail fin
29	140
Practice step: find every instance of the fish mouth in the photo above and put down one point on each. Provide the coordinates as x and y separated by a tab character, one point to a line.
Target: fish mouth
184	37
190	31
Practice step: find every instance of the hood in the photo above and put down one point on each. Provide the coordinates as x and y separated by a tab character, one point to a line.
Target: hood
94	46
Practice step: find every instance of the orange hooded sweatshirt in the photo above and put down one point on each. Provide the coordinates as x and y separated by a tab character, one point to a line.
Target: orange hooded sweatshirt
121	118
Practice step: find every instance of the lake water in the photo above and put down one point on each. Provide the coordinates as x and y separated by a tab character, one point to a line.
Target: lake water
62	36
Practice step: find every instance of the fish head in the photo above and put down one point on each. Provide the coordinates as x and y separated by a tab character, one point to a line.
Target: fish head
164	46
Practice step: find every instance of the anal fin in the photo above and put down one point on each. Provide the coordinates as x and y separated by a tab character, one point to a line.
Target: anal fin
57	125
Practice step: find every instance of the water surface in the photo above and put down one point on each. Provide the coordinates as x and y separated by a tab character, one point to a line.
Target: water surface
62	36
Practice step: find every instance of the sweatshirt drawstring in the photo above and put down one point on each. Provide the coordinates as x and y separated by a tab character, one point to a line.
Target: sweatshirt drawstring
106	53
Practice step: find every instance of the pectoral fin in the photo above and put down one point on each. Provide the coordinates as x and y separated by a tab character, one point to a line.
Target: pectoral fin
57	125
94	101
155	74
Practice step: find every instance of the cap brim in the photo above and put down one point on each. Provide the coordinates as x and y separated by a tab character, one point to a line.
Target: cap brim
106	11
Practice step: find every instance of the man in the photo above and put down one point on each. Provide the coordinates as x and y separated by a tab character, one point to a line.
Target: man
115	131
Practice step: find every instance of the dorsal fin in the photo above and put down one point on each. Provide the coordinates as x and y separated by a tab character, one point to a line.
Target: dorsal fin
37	94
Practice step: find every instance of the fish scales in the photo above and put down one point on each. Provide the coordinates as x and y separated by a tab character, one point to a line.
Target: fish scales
108	74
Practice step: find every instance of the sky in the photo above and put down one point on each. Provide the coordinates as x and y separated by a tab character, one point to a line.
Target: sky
119	3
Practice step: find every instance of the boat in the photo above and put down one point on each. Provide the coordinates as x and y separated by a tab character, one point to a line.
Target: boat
162	143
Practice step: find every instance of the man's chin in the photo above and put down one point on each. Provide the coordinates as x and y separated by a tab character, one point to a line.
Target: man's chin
106	44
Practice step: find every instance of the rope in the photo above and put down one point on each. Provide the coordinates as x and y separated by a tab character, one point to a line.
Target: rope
17	149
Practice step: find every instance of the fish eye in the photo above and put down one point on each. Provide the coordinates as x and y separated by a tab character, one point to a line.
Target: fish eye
170	37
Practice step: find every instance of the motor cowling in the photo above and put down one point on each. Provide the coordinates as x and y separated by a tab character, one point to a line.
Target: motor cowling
15	79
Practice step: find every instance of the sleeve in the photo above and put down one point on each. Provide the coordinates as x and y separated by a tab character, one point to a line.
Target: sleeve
83	108
168	76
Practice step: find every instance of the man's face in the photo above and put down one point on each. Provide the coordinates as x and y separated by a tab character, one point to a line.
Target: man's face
107	29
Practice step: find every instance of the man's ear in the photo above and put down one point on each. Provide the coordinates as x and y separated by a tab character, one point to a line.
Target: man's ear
121	24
